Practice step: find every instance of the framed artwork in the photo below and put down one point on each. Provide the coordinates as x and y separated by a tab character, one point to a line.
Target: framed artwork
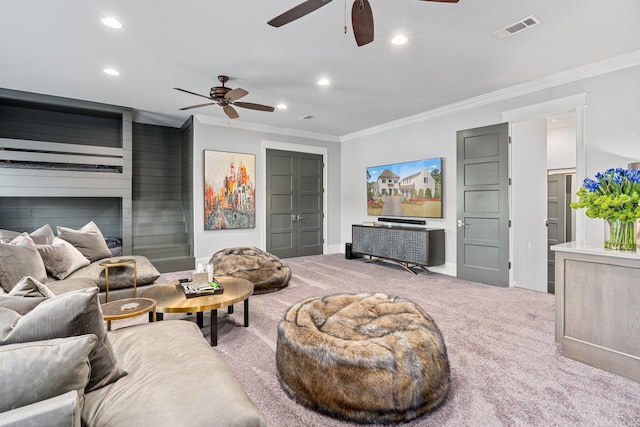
411	189
229	190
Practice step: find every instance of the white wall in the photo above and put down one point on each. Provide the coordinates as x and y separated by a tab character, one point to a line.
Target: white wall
227	138
561	148
613	139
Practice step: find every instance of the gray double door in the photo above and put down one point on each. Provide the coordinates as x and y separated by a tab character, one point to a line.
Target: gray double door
294	203
483	204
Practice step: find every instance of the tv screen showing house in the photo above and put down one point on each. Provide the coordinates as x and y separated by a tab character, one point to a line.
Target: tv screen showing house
409	189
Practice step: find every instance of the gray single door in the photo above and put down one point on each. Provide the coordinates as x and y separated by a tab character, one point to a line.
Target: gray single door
483	204
558	220
294	203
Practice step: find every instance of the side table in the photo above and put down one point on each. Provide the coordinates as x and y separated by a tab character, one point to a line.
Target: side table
127	307
118	263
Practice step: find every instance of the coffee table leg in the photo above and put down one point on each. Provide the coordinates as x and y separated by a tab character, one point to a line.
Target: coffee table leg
199	319
230	309
214	328
158	316
246	312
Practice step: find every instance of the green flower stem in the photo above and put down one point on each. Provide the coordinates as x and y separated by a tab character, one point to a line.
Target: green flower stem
621	236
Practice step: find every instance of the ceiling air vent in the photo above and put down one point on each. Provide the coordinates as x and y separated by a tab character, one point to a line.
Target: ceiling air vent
307	117
524	24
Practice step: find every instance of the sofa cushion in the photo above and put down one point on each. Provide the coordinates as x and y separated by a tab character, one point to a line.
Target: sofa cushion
20	258
183	381
35	371
43	235
59	287
30	287
61	258
119	277
72	314
88	240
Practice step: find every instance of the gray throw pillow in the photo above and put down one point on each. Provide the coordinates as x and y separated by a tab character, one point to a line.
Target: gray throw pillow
30	287
20	305
43	235
73	314
8	235
18	259
88	240
61	258
36	371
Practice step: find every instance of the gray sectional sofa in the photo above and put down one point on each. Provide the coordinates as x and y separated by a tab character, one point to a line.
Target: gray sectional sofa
69	261
60	366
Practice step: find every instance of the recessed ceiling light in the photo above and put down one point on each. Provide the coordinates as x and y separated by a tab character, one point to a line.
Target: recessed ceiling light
399	39
281	106
111	71
324	82
112	23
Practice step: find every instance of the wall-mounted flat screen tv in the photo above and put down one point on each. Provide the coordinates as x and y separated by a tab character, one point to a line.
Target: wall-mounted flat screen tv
409	189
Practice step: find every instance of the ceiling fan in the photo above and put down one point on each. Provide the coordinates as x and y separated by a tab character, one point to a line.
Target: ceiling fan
361	17
226	98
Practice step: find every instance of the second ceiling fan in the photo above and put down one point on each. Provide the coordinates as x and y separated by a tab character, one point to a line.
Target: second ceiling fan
361	17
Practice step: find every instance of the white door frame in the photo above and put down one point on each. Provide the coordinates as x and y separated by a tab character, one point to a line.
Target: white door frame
577	103
300	148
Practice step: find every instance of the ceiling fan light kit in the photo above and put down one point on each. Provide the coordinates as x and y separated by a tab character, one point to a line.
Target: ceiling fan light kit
361	17
226	98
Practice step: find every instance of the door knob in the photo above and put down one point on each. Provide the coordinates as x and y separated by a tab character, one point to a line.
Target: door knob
461	224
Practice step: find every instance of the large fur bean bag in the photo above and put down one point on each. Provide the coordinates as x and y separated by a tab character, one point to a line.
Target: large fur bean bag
267	272
368	358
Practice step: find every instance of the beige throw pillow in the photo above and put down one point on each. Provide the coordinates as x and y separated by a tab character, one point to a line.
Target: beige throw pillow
43	235
8	235
72	314
30	287
18	259
61	258
36	371
88	240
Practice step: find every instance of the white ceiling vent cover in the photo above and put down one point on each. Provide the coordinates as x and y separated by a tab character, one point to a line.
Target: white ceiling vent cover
524	24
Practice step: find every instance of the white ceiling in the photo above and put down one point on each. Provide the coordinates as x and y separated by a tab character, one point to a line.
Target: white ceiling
60	48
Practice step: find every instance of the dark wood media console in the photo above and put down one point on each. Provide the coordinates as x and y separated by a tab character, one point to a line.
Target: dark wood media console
407	246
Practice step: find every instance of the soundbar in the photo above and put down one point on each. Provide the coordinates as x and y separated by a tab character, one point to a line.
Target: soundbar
403	221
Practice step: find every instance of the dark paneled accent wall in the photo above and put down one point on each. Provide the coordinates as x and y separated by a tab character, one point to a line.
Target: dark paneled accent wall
159	220
187	177
30	213
50	123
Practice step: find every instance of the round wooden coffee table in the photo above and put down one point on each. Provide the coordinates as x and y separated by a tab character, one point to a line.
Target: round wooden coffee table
128	307
170	298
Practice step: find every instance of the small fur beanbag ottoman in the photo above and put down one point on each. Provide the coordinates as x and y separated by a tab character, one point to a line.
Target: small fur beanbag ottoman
266	271
368	358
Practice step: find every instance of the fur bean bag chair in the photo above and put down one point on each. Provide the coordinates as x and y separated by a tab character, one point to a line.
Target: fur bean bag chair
267	272
367	358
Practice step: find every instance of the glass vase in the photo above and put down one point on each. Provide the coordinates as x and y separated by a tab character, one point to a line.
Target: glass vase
620	236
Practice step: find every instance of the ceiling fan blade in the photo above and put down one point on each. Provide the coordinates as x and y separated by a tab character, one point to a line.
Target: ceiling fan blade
297	12
362	22
198	106
234	94
230	111
192	93
252	106
444	1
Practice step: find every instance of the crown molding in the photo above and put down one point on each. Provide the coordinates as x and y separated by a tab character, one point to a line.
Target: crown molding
579	73
256	127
